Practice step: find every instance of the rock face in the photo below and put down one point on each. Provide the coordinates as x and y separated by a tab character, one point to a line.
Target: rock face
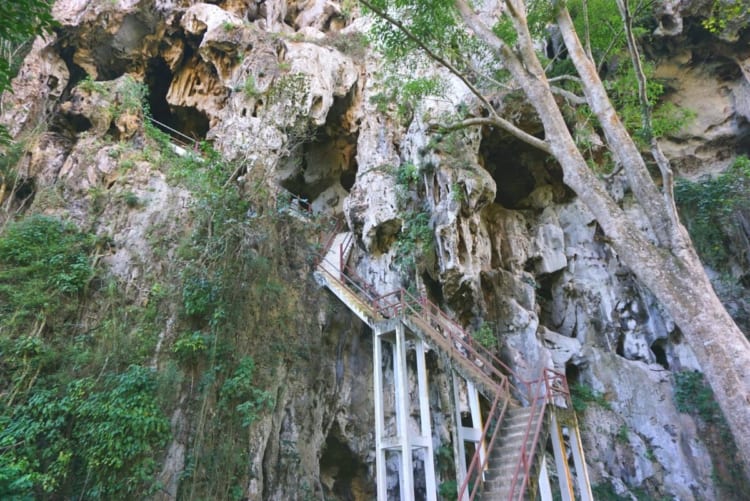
499	241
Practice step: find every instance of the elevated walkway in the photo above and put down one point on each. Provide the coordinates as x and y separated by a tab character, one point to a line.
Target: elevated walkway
509	446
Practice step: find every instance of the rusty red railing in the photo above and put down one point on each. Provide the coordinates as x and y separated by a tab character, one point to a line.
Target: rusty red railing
462	347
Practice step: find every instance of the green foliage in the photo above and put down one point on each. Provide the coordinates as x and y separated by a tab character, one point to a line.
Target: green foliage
415	240
20	21
92	438
692	395
448	490
407	175
485	335
44	265
239	394
666	118
583	395
130	97
622	434
400	95
250	88
88	84
353	44
432	21
607	492
709	208
723	12
190	348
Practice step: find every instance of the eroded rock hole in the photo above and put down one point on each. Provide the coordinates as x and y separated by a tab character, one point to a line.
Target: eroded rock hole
174	120
79	123
660	353
668	22
323	167
510	162
572	374
343	475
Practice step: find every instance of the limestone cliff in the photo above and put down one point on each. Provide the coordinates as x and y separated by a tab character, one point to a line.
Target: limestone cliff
295	102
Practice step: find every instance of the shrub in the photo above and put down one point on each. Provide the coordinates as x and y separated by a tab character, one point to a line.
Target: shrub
44	262
583	395
709	208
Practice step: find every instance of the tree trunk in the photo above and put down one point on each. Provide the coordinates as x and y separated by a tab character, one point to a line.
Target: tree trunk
679	283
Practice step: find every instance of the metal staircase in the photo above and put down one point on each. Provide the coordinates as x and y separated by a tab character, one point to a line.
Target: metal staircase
512	433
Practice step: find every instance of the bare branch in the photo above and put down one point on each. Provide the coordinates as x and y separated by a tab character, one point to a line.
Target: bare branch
568	95
492	122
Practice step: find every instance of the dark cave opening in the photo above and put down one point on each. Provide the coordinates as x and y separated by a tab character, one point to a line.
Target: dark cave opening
503	159
344	475
659	351
572	373
323	166
79	123
620	348
518	169
189	121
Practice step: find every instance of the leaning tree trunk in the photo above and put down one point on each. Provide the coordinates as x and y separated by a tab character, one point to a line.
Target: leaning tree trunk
677	279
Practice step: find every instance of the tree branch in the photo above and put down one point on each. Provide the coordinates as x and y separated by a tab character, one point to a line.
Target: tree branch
490	122
573	98
667	175
497	119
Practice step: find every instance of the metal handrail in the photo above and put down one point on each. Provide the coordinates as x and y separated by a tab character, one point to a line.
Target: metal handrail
477	464
422	308
528	452
189	140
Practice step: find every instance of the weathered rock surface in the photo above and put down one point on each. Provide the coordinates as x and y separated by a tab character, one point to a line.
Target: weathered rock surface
511	248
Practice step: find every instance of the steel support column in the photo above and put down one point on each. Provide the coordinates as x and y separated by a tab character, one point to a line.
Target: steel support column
561	460
380	467
425	421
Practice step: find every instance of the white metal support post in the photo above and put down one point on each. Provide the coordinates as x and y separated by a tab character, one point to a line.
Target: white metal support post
425	422
380	469
402	415
545	489
476	419
561	460
582	473
459	448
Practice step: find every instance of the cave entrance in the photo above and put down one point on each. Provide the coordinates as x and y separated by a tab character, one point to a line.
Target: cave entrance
658	348
343	475
517	168
178	121
321	168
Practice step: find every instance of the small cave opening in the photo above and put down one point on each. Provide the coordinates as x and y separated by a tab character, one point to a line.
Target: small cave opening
518	169
572	374
620	348
173	120
658	348
343	475
76	72
79	123
433	288
322	168
505	161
